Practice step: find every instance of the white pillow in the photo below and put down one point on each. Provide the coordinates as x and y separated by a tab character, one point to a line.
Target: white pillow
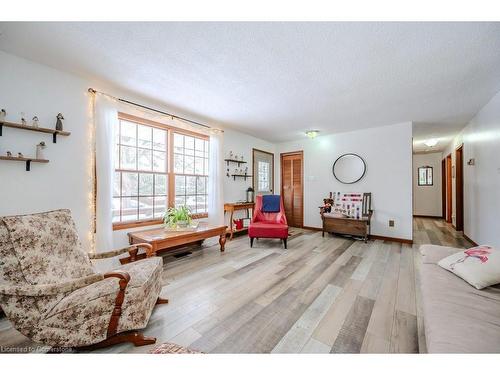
479	266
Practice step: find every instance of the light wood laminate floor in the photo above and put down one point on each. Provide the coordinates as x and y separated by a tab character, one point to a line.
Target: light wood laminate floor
322	295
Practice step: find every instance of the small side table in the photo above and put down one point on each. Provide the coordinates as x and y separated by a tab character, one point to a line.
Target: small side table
231	207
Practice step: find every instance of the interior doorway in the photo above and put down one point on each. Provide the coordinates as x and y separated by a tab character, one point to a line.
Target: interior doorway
292	187
459	188
448	189
263	172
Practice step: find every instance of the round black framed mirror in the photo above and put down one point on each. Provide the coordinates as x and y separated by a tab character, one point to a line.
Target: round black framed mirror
349	168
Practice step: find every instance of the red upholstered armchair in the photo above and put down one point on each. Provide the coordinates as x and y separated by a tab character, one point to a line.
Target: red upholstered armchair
268	224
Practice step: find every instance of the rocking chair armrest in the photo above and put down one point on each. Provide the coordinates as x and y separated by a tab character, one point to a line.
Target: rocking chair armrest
147	248
132	250
120	297
122	275
50	289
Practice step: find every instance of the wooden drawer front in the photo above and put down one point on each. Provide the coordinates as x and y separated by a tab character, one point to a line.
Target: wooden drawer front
342	226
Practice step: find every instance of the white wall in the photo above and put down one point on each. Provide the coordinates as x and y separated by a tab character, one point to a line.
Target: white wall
241	144
481	140
387	152
427	199
66	182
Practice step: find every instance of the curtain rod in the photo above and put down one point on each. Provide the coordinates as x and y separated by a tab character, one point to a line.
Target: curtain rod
93	91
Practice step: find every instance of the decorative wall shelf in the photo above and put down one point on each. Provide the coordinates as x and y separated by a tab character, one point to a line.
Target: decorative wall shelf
241	175
27	160
239	162
54	132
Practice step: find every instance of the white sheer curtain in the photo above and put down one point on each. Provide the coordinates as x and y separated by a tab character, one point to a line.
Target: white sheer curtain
105	122
215	176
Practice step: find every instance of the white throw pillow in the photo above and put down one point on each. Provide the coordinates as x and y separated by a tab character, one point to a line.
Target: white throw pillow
479	266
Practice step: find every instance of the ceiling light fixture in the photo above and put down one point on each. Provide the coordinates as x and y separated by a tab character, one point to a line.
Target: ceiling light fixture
431	142
312	133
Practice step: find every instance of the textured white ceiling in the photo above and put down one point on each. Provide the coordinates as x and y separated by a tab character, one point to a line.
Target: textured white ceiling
276	80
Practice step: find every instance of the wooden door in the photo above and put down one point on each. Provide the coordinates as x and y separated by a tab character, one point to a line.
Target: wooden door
448	189
443	189
459	188
292	187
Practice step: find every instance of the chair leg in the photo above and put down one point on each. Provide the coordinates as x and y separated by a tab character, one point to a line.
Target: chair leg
251	241
284	243
161	301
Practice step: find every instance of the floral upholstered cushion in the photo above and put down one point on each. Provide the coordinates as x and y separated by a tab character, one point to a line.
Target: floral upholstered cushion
47	247
479	266
82	317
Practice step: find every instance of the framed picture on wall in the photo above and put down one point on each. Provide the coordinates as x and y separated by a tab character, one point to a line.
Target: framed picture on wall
425	176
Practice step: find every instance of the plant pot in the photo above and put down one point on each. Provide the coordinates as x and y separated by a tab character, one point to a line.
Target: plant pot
182	223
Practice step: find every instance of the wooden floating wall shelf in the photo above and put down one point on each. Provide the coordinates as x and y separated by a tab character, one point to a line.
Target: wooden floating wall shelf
27	160
234	161
241	175
54	132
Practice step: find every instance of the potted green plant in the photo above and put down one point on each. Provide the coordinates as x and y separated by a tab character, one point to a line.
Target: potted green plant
177	217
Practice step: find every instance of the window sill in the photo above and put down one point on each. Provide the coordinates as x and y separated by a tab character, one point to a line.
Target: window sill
144	223
135	224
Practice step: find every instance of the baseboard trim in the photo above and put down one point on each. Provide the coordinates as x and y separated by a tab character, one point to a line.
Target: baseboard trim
393	239
313	228
428	216
372	236
469	239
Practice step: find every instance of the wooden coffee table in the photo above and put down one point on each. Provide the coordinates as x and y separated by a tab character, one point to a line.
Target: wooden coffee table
163	239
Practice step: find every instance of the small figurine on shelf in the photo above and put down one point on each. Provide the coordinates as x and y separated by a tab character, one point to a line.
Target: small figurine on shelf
231	155
39	150
23	121
241	157
246	171
59	124
20	155
235	157
3	114
9	154
35	122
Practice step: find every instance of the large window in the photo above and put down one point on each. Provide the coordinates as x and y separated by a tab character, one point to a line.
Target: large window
156	167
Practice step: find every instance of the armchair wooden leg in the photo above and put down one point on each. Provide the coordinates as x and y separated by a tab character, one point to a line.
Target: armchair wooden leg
284	242
251	241
161	301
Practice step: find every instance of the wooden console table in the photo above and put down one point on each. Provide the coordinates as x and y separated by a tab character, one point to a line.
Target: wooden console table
162	239
231	207
348	225
345	225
